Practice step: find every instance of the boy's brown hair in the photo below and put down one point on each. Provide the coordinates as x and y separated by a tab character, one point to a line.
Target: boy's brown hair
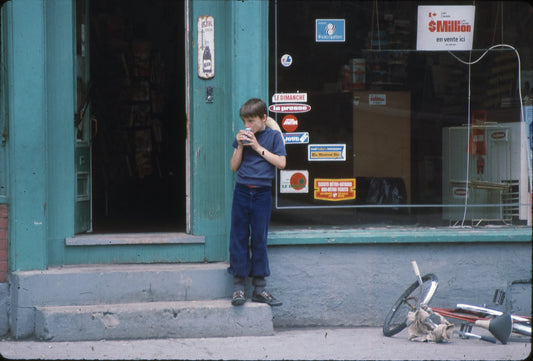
254	107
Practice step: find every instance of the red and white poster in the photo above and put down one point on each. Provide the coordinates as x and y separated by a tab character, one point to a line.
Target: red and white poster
289	108
446	28
289	97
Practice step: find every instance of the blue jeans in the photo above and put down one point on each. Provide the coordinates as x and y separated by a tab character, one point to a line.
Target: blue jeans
250	217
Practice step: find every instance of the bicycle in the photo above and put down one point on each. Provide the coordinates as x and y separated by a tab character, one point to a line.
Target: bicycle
419	294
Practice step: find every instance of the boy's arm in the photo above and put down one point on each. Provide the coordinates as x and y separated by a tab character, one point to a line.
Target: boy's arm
236	158
279	161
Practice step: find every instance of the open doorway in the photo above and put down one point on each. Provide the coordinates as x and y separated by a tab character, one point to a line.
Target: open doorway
137	76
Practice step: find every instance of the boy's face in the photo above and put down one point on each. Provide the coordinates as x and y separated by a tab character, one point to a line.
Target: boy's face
257	124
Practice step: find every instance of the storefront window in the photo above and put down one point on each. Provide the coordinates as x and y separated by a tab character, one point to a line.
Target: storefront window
380	133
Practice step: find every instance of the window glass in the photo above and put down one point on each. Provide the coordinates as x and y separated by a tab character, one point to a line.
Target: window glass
378	133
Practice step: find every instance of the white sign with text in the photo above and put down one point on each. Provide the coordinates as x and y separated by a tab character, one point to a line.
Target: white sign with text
447	28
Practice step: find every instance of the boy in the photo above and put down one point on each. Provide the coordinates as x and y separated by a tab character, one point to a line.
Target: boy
258	152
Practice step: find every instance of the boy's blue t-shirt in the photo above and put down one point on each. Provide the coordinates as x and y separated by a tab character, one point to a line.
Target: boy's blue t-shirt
254	169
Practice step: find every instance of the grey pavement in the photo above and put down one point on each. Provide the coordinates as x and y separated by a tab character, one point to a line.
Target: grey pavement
291	344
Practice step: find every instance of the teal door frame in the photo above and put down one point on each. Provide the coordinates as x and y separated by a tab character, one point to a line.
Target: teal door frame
241	72
41	141
41	182
27	143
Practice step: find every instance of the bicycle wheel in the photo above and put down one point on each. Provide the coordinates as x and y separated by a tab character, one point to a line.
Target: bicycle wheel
396	319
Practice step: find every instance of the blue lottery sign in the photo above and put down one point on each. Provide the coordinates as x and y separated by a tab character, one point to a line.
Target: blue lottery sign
330	30
296	138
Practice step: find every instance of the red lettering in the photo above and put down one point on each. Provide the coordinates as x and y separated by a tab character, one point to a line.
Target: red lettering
448	26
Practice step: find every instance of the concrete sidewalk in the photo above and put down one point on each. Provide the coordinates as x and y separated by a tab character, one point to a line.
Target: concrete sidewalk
293	344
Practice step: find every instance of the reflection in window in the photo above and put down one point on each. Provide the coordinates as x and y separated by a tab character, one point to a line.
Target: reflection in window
396	136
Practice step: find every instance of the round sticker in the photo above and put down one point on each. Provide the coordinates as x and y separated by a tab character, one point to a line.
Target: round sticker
286	60
298	181
289	123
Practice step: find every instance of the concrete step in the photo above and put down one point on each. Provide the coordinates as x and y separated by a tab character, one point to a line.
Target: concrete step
150	320
103	284
112	284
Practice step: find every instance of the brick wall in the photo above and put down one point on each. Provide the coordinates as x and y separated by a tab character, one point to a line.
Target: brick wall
3	242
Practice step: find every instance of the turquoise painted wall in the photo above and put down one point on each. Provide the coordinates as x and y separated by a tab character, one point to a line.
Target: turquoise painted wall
41	181
41	140
60	70
4	130
241	72
27	138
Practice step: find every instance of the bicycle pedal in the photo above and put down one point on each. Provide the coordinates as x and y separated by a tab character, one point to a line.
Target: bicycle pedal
464	330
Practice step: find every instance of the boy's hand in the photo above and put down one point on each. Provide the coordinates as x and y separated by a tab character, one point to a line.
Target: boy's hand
246	138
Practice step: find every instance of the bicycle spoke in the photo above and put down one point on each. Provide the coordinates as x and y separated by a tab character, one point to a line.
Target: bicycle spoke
409	301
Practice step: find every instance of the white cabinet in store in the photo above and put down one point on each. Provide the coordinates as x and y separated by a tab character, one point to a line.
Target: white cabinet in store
495	179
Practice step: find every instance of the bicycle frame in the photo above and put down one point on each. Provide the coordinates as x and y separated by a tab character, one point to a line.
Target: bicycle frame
470	313
396	319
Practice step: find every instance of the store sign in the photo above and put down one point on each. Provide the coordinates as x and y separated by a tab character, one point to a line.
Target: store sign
330	30
499	135
326	152
206	47
377	99
289	123
459	192
296	138
334	189
289	108
294	181
445	27
289	97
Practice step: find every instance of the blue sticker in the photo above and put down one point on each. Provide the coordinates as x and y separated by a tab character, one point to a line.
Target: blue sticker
330	30
296	138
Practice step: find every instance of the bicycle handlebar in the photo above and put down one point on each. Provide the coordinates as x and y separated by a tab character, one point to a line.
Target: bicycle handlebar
415	268
417	272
